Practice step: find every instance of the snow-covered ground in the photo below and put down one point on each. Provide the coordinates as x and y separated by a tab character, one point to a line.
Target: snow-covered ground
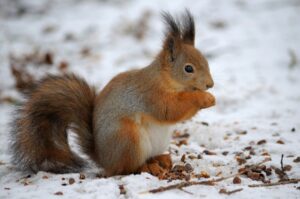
253	48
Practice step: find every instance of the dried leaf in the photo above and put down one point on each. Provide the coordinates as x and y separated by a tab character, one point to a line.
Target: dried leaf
71	181
297	159
280	142
81	176
260	142
122	189
59	193
207	152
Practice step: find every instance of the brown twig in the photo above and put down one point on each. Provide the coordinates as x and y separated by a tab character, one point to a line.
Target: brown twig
224	191
207	182
234	191
291	181
181	189
281	163
180	186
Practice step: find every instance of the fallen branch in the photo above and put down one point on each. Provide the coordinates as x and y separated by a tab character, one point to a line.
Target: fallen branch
207	182
180	186
291	181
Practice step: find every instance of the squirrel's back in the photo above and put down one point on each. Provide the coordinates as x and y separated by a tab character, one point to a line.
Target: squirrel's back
39	136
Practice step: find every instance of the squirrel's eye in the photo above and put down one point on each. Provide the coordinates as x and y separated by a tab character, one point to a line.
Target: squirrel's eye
189	69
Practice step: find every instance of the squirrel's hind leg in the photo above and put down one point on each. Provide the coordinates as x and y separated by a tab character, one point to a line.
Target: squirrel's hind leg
124	155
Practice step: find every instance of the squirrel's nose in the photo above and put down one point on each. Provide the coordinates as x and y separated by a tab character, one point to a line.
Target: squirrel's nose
210	84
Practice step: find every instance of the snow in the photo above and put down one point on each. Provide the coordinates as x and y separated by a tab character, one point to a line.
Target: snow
249	46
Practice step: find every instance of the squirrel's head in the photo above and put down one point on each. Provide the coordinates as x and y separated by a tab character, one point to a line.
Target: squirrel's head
185	65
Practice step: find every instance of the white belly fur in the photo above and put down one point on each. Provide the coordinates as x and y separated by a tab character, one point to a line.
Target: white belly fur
154	138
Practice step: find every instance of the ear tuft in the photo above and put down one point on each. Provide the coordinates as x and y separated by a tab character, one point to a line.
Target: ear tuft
178	33
172	36
188	32
173	25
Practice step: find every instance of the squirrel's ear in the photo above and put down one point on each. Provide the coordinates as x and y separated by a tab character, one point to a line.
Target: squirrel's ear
172	42
188	34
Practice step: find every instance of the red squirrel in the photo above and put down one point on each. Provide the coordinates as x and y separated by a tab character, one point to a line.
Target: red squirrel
125	125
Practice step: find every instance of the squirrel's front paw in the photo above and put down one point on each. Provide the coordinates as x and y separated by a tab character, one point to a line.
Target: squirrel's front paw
208	100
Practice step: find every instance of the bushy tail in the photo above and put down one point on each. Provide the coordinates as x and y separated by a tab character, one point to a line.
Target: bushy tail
39	135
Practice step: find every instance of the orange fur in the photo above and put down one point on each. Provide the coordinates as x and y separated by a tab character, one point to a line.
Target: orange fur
130	155
173	106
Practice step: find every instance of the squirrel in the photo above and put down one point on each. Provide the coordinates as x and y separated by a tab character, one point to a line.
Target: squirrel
123	126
